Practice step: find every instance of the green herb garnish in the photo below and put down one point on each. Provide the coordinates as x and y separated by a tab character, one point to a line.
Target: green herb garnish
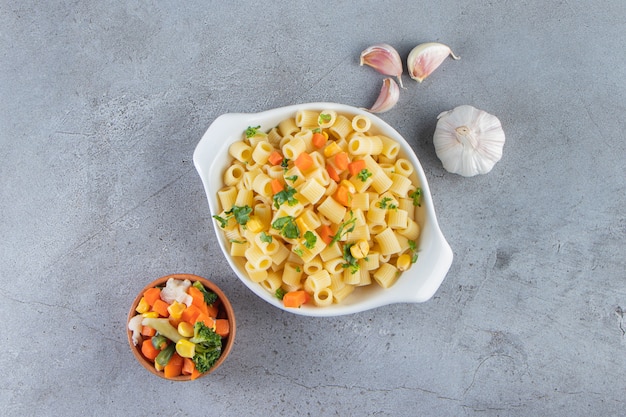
251	131
310	239
265	237
241	215
324	118
287	227
417	197
292	178
385	203
351	261
280	293
345	227
364	174
285	196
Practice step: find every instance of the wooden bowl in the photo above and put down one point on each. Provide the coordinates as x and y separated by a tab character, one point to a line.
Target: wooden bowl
226	311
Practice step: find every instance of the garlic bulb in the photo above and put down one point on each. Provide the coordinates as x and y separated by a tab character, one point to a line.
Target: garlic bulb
388	97
383	58
468	141
425	58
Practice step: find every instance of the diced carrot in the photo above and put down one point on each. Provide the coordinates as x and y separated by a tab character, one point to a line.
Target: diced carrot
151	295
196	296
356	166
343	195
188	366
222	327
341	161
195	373
212	310
208	321
275	158
147	331
295	299
147	350
326	233
332	173
277	186
160	307
190	314
174	367
318	140
304	161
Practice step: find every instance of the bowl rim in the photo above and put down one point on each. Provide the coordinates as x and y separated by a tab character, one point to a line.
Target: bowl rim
228	308
228	128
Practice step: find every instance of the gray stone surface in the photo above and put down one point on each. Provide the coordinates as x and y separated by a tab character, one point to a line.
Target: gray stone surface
102	104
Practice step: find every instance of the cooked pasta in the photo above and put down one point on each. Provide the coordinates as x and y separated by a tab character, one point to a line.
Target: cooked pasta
297	220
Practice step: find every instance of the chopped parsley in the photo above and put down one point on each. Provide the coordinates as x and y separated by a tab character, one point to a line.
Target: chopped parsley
251	131
351	261
324	118
384	203
417	197
280	293
285	196
265	237
413	247
310	240
241	242
345	227
287	227
298	269
298	251
292	178
364	174
285	163
240	213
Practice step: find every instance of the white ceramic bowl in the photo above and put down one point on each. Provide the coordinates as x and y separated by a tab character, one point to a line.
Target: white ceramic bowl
416	285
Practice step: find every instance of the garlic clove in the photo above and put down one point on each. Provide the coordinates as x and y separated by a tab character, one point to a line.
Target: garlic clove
468	141
384	59
388	97
425	58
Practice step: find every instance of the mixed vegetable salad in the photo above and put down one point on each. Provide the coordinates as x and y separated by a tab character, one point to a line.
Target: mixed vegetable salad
180	327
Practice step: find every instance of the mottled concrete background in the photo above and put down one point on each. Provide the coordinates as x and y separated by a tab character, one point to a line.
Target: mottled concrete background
102	104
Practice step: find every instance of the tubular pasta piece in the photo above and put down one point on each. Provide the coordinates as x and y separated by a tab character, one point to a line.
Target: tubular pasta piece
256	275
386	275
241	152
361	123
340	294
261	152
388	242
227	197
272	282
403	167
288	127
341	128
332	210
292	274
323	297
234	174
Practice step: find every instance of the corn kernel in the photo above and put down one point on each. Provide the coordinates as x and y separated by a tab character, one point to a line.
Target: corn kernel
185	329
185	348
254	224
349	185
150	314
143	306
176	309
360	249
331	149
404	262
